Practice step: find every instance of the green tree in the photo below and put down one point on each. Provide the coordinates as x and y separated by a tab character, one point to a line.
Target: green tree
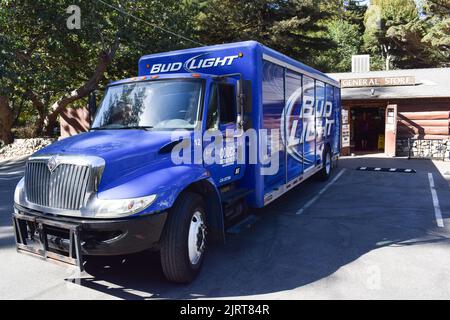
49	59
347	42
292	27
381	19
437	25
10	79
399	36
53	67
344	30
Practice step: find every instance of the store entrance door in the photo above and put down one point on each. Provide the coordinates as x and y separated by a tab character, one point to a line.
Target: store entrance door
368	129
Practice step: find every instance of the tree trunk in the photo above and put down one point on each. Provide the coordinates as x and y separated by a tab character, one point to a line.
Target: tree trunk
6	120
18	112
104	60
40	108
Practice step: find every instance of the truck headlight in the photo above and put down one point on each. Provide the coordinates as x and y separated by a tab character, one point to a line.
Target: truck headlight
18	192
115	208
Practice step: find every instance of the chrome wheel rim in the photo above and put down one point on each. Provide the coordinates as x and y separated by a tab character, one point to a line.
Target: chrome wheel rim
196	239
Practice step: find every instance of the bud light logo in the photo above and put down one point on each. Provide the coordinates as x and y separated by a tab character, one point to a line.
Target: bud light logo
195	64
303	122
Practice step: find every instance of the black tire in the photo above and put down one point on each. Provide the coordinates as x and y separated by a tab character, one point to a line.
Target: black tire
325	173
175	261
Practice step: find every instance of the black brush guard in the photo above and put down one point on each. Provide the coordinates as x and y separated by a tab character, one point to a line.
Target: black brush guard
32	237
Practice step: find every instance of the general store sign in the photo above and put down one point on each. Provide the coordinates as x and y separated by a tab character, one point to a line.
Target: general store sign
378	82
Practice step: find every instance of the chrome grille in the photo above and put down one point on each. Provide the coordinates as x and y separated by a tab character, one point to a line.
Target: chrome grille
64	188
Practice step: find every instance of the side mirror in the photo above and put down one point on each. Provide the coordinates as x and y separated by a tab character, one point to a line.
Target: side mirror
240	99
92	106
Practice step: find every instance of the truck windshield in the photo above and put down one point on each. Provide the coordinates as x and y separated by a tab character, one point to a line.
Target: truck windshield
165	104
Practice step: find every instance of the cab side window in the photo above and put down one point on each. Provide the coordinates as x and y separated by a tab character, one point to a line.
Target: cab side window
227	103
212	118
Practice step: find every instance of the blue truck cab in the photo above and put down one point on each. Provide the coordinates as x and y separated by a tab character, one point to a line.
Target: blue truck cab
178	154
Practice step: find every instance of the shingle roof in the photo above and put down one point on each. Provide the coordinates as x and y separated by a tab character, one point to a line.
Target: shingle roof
432	82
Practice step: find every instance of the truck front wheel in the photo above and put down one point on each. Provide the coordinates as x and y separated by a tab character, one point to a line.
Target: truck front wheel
184	239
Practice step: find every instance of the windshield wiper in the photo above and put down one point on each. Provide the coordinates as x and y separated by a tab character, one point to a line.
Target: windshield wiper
122	128
99	128
137	127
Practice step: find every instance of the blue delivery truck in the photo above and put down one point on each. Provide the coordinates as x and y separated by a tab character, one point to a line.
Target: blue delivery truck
177	155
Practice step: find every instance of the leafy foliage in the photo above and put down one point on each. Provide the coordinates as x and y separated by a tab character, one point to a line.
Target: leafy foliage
45	67
292	27
395	31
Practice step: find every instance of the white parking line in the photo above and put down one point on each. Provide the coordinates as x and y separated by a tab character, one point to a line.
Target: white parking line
316	197
437	208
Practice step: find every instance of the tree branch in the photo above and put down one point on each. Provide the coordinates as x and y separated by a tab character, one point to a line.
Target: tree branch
104	60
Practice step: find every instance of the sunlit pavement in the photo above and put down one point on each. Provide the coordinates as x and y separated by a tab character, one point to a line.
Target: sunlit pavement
369	235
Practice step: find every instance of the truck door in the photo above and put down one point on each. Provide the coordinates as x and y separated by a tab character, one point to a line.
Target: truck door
220	158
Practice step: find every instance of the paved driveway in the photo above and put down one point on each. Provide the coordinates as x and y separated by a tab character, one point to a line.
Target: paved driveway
361	235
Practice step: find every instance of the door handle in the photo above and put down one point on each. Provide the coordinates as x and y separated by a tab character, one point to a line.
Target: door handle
239	133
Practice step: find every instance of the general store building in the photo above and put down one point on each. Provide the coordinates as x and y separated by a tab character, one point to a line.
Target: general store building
397	112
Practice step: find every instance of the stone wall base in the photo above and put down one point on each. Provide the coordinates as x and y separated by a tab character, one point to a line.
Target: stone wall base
436	149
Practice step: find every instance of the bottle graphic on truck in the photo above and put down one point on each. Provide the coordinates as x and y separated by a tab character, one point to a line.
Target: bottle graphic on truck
177	155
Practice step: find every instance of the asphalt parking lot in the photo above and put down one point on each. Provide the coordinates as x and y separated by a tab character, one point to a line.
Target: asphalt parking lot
362	235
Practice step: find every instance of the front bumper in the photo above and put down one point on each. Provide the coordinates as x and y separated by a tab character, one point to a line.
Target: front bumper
96	236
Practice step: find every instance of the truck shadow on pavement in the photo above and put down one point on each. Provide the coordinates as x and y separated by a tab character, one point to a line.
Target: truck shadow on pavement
361	212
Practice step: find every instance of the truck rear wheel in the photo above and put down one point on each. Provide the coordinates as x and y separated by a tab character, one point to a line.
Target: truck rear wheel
325	173
184	239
